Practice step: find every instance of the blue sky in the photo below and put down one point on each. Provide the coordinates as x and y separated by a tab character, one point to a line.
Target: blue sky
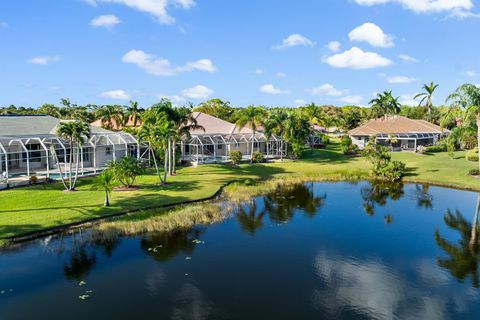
267	52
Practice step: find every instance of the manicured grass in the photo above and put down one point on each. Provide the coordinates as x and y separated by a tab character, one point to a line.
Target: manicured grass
46	206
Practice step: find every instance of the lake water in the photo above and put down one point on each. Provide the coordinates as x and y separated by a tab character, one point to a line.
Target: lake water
310	251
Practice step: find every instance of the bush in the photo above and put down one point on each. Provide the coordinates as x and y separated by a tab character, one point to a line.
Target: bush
248	182
325	139
258	157
382	164
126	170
435	148
297	149
236	157
347	146
472	155
393	171
474	172
421	149
33	180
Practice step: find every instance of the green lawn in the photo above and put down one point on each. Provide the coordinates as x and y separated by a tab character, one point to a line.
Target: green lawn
41	207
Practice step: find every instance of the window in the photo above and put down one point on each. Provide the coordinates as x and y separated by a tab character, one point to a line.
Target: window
132	151
255	144
34	151
86	154
108	150
210	148
219	146
187	148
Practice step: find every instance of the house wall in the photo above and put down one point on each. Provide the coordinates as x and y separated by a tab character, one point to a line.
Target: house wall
359	141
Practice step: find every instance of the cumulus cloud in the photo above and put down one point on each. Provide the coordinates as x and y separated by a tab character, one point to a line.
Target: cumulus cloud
106	21
258	71
334	46
400	79
356	58
294	40
162	67
355	100
372	34
326	90
470	73
459	8
271	89
407	58
156	8
198	92
43	60
115	95
281	74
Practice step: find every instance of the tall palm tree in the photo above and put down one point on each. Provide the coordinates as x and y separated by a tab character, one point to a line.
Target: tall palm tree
107	114
133	112
385	104
149	133
427	95
253	117
467	97
74	132
105	182
275	125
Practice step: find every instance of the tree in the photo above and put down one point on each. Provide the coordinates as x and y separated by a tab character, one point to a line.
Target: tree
107	114
297	129
105	182
427	95
149	132
133	112
217	108
467	97
385	104
275	125
253	117
126	170
74	132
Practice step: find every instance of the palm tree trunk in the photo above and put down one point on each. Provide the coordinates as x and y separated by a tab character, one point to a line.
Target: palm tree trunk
70	166
174	158
156	165
76	165
165	167
253	143
57	162
473	236
478	135
169	156
106	203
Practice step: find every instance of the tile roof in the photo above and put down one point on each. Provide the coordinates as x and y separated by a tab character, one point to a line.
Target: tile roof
396	125
215	125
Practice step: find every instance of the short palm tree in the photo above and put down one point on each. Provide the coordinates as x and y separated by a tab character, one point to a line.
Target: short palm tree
107	114
427	95
133	112
105	182
275	125
74	132
252	117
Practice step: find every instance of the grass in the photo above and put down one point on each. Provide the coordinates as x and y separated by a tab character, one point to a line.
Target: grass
41	207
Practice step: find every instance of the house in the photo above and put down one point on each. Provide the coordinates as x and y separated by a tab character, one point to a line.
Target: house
219	138
29	146
115	125
399	132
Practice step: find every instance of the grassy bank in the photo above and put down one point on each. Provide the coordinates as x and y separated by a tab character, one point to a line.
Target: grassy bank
42	207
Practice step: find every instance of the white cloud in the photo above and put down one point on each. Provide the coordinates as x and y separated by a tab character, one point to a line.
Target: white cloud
355	100
281	74
115	94
43	60
259	71
408	100
54	88
294	40
458	7
470	73
162	67
106	21
299	102
156	8
356	58
271	89
407	58
400	79
372	34
334	46
198	92
326	90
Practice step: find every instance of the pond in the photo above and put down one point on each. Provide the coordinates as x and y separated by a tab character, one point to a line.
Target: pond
308	251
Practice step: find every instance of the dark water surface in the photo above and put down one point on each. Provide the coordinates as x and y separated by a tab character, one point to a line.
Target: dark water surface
311	251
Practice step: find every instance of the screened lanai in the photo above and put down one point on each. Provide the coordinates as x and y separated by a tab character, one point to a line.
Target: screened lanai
208	148
408	141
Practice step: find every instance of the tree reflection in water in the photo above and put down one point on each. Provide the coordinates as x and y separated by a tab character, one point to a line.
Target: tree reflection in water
463	257
80	262
280	206
167	245
423	197
378	193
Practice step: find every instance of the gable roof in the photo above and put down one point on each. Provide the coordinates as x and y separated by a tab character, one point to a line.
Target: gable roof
396	125
214	125
32	126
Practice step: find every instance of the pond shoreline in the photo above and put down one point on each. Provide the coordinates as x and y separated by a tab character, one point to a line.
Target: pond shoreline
259	187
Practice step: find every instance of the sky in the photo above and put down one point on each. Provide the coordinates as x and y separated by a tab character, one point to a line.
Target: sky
261	52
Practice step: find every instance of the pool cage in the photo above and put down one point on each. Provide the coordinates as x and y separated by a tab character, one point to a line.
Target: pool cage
212	148
409	141
48	156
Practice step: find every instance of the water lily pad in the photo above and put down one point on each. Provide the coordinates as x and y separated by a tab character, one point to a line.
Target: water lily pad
82	283
83	296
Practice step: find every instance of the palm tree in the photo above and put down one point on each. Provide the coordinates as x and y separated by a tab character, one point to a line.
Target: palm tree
253	117
385	104
105	182
148	133
467	97
275	125
133	112
74	132
108	114
427	95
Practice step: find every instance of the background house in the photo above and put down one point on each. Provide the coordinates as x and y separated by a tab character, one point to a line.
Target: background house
407	134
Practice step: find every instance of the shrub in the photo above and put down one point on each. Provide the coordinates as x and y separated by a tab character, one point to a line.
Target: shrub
421	149
297	149
435	148
258	157
325	139
235	157
474	172
248	182
382	164
126	170
472	155
393	171
347	146
33	180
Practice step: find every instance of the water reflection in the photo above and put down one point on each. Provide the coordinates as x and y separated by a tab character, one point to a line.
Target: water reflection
423	197
378	193
82	260
464	256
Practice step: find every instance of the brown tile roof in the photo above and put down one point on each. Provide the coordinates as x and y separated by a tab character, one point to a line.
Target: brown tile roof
395	125
215	125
